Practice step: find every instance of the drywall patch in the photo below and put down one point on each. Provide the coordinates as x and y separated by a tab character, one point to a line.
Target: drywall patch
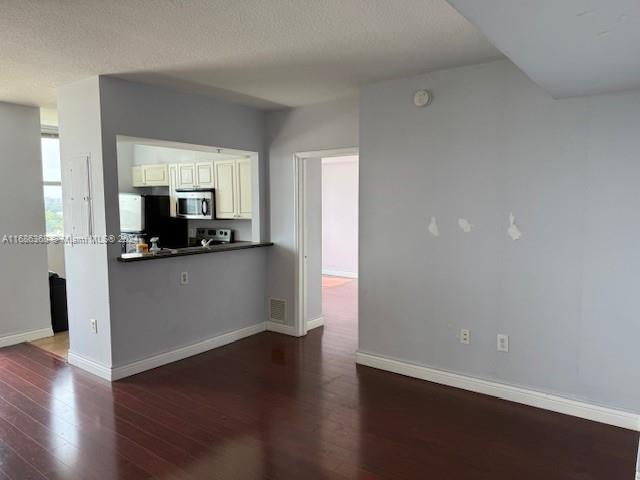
465	225
513	231
433	227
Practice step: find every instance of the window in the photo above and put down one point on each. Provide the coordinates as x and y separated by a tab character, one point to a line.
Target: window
52	184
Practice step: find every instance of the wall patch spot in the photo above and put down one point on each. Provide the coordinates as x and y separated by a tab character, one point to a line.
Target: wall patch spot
513	231
464	225
433	227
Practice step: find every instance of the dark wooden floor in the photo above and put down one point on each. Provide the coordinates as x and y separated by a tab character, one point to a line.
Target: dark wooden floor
277	407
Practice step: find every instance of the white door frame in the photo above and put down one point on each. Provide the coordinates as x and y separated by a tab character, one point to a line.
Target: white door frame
300	229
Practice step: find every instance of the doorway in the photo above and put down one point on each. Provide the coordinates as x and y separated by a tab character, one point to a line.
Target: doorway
326	190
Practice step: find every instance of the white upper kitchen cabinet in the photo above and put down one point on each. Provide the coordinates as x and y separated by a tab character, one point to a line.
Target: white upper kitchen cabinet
243	174
225	179
186	175
149	176
173	184
155	175
204	174
195	175
233	188
137	176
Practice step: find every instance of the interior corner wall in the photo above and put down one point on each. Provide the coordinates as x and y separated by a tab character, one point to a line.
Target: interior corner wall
316	127
24	290
492	143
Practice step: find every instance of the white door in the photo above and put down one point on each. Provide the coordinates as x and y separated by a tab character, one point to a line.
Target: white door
186	175
225	183
204	174
155	175
243	190
173	184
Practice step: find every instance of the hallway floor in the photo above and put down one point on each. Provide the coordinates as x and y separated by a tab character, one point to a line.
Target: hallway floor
340	310
58	344
277	407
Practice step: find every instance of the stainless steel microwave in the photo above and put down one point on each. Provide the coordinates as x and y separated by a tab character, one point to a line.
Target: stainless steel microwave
195	204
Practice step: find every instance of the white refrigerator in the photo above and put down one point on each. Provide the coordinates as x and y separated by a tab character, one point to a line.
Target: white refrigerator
131	213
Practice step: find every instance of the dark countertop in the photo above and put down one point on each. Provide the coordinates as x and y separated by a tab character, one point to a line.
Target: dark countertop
181	252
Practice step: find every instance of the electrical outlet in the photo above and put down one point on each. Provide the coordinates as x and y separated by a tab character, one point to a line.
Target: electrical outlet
465	336
503	342
184	278
94	325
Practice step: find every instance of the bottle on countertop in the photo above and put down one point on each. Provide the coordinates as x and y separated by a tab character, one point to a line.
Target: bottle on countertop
154	244
141	246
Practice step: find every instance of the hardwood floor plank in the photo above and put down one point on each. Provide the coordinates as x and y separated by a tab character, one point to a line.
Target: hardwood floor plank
15	466
83	432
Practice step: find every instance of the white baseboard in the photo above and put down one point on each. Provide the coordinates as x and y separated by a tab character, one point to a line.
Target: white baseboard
27	336
89	365
315	323
184	352
281	328
340	273
171	356
532	398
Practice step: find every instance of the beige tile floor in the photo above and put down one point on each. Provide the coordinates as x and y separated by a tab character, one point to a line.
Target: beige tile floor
58	344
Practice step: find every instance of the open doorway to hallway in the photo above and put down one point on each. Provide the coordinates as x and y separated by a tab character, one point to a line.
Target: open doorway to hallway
328	248
339	188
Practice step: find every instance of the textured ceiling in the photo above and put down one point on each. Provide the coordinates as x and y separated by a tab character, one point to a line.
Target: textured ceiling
568	47
266	53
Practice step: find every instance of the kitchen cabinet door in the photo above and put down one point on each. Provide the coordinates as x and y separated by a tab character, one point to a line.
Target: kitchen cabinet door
155	175
225	188
243	188
173	184
186	175
137	176
204	175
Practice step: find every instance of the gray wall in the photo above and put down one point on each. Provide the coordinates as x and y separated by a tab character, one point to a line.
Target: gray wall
152	313
55	258
317	127
24	291
493	143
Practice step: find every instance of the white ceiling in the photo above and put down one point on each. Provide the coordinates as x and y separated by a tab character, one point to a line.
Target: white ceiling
266	53
568	47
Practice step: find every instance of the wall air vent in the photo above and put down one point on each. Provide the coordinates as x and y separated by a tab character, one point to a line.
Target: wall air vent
277	310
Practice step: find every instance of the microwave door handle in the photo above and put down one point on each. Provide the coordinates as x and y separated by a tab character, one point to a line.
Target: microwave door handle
205	207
